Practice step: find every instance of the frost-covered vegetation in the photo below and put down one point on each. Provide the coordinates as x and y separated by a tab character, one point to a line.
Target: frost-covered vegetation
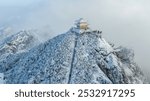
77	57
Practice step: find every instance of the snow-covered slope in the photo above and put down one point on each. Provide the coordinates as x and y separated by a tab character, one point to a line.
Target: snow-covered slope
14	45
74	57
2	78
16	42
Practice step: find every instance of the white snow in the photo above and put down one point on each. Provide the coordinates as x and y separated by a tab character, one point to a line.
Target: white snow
105	45
1	78
128	71
72	57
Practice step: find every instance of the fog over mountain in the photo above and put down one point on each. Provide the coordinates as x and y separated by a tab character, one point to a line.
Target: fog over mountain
124	22
79	56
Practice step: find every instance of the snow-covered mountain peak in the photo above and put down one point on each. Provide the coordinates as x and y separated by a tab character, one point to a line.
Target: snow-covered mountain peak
73	57
17	42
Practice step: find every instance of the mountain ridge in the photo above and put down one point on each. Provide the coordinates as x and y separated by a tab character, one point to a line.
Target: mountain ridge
79	56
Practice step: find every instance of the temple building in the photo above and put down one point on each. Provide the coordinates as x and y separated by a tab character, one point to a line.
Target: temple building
82	24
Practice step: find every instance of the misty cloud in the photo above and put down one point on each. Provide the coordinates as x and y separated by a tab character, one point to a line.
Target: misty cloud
123	22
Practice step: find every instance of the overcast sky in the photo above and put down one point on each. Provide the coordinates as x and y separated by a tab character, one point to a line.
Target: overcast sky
123	22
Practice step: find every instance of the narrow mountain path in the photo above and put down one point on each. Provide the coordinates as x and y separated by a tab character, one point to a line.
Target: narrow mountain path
73	57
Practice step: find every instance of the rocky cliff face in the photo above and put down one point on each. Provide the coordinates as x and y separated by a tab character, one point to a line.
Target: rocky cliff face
76	57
